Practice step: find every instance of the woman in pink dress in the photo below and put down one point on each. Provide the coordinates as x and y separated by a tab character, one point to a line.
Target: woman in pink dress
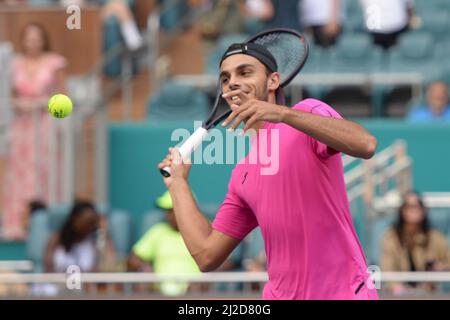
37	75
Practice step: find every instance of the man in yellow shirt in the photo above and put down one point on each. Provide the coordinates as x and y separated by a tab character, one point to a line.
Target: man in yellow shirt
163	247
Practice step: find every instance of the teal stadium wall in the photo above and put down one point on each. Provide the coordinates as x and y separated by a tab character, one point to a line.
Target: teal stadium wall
135	150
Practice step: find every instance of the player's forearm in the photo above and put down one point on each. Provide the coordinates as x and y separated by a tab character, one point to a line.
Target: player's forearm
193	225
342	135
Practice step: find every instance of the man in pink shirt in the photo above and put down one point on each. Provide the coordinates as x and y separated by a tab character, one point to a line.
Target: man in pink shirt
312	248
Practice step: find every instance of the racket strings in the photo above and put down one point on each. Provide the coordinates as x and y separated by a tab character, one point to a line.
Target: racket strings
289	51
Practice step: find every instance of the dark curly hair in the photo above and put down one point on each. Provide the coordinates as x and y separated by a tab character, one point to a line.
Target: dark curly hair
68	234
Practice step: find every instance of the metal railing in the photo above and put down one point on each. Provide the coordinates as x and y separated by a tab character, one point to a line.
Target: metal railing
367	181
217	283
294	90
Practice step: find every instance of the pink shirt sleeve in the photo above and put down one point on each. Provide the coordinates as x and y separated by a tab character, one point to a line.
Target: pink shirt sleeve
322	109
234	217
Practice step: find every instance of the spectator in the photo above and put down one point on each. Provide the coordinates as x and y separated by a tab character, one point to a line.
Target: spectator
437	107
322	18
118	8
411	245
121	10
387	19
76	243
163	251
37	74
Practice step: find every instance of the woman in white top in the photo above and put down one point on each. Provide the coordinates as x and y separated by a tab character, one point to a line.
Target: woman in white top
74	244
386	19
323	19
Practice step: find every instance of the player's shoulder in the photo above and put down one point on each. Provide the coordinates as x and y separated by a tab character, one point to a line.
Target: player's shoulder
317	107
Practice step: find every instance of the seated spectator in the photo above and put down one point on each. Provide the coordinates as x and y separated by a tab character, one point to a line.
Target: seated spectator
76	243
163	251
437	107
387	19
411	245
322	18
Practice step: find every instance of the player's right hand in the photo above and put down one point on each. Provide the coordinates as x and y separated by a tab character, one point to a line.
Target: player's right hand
179	170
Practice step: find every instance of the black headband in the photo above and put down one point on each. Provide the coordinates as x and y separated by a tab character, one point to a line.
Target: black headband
252	49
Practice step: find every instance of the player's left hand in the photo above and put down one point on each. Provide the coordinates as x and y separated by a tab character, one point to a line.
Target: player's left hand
251	111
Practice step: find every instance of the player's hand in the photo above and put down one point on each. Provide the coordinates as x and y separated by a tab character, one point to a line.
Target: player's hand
179	170
253	111
331	29
237	97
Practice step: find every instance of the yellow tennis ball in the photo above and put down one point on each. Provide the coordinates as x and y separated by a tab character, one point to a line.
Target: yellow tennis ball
60	106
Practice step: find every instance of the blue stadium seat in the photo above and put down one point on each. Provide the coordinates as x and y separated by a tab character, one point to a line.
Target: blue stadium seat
57	216
436	22
356	53
319	61
102	208
172	13
39	233
177	102
431	5
209	210
414	53
355	24
120	229
380	226
313	63
254	244
352	7
439	219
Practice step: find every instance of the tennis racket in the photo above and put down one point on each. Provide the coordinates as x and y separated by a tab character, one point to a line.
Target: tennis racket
290	51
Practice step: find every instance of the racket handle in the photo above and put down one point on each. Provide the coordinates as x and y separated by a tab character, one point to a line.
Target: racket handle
188	147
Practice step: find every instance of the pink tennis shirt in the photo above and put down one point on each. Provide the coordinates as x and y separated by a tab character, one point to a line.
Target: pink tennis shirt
312	249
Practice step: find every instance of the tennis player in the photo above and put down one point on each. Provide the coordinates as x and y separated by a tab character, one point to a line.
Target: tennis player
312	249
